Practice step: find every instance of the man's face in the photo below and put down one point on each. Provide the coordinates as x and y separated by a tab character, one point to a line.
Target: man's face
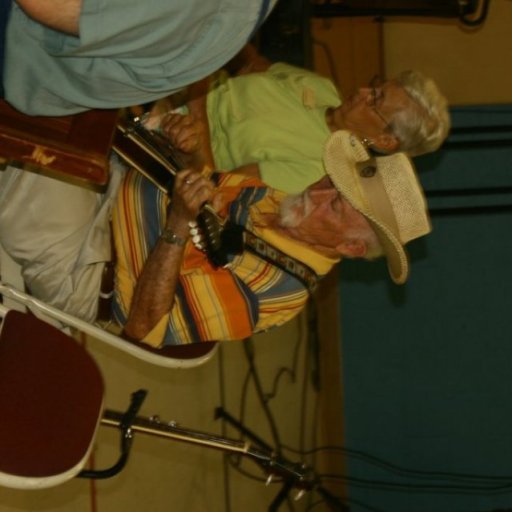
369	111
320	216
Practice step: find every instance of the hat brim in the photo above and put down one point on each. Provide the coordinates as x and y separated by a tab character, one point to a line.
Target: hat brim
343	153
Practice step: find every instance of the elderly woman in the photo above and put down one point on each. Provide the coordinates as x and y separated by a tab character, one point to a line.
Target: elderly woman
273	123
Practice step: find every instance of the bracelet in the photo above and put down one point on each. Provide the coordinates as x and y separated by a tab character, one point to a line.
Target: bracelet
170	237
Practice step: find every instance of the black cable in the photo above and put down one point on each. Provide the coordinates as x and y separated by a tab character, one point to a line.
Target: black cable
252	374
249	353
292	372
243	401
280	372
364	505
382	463
304	394
225	467
313	460
359	482
392	486
410	487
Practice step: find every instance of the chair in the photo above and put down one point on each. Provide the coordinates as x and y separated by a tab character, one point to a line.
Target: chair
178	356
47	429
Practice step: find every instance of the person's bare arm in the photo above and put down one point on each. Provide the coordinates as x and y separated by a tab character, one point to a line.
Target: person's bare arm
156	287
62	15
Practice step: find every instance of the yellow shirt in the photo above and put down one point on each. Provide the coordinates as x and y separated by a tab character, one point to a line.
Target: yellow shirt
211	303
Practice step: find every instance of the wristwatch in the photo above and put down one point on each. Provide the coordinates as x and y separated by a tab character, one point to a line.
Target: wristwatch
170	237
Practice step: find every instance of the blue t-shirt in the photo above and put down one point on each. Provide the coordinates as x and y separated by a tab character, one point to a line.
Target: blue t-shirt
128	52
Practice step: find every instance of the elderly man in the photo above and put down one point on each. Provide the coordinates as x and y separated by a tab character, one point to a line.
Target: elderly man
273	123
168	292
66	56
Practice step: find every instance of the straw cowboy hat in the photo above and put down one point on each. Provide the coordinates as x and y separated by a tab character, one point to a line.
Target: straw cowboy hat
386	190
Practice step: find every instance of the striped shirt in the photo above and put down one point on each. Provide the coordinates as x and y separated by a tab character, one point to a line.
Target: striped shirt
211	303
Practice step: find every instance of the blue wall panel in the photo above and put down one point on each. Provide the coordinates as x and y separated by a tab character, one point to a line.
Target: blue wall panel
428	366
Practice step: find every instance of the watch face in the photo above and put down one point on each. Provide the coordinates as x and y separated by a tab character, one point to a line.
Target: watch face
171	238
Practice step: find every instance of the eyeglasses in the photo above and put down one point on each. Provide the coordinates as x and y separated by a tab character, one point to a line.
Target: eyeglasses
375	96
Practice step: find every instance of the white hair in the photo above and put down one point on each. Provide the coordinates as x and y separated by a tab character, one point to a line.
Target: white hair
295	208
423	129
292	210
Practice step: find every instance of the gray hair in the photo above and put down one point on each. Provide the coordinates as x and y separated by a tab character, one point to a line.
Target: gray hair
424	129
